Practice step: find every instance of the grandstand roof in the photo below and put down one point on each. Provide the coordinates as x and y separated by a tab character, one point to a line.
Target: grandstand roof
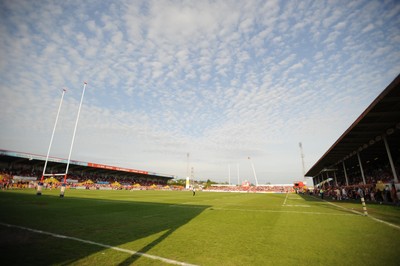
75	166
382	117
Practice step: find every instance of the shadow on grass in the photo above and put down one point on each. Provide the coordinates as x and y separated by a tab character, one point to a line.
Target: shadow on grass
148	247
138	226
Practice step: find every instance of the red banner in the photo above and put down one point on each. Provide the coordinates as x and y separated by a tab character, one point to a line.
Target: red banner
108	167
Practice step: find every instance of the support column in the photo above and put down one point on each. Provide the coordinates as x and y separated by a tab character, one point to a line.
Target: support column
396	180
345	174
361	168
334	174
327	177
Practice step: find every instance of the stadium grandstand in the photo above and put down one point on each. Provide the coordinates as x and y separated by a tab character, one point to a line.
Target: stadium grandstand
25	169
367	154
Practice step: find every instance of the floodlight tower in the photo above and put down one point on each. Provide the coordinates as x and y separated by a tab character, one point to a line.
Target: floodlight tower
237	168
187	172
192	176
302	160
254	171
229	174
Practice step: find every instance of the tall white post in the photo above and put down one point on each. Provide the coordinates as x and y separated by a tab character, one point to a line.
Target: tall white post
187	172
361	168
72	142
345	174
326	181
334	174
237	166
254	171
39	187
192	177
302	161
229	174
396	180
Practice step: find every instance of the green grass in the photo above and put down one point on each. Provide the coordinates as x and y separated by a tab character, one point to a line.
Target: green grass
208	229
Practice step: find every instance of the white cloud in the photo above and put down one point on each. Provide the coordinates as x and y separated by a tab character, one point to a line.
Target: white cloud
222	80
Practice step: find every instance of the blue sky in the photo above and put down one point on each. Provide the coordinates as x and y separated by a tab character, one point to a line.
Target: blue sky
221	80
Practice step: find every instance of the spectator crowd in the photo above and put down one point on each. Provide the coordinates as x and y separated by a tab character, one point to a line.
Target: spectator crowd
376	192
383	190
29	178
252	189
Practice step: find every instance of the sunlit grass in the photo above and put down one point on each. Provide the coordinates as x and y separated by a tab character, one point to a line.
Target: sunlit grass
208	229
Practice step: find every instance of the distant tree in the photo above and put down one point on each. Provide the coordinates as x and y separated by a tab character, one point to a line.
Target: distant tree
177	182
208	183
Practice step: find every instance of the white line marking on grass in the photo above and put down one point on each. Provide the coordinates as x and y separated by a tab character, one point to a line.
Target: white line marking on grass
362	214
187	206
284	202
149	216
293	205
381	221
296	205
295	212
132	252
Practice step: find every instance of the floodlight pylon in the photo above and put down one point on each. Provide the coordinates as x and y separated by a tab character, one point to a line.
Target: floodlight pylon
254	171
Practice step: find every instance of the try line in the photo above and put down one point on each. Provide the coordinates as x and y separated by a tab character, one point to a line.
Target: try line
132	252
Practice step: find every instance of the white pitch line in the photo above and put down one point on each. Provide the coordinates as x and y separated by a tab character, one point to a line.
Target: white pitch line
284	202
381	221
296	205
132	252
275	211
369	216
293	205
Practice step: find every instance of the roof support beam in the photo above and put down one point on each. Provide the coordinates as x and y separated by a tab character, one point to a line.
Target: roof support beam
361	168
334	175
396	180
345	174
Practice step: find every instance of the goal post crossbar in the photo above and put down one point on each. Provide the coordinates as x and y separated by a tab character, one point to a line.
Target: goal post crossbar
39	187
55	174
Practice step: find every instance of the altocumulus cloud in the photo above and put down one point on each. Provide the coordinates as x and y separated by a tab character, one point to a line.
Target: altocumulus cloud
222	80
